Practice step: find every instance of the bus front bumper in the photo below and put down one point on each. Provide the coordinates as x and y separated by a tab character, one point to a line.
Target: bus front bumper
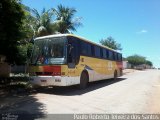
54	80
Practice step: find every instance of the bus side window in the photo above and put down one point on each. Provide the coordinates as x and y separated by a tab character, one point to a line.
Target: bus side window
107	53
119	57
89	49
97	51
83	47
114	56
104	53
101	52
110	55
92	51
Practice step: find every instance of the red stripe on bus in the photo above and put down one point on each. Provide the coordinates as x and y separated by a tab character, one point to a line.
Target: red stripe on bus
51	68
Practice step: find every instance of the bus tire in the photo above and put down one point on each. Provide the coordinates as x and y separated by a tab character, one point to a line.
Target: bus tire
115	74
84	80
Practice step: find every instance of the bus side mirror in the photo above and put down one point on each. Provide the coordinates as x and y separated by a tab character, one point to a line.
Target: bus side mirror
70	47
70	51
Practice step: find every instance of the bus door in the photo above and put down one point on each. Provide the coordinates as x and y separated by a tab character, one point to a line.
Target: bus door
73	57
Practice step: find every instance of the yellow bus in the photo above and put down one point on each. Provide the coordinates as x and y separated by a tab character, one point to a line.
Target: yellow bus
66	59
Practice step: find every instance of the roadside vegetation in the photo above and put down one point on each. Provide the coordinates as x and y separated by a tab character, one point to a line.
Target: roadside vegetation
138	60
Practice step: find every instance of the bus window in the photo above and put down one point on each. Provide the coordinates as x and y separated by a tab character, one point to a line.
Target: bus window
49	51
101	52
93	51
119	57
97	51
83	48
114	56
110	55
86	48
89	49
107	53
104	53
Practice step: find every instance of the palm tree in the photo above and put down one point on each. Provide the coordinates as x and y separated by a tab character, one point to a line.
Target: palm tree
65	20
44	24
41	23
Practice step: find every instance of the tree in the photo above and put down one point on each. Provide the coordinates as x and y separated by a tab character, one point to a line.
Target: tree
41	23
65	20
149	63
11	28
111	43
45	24
136	60
28	23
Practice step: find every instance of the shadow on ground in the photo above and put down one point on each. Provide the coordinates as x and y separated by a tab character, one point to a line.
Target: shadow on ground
21	107
74	90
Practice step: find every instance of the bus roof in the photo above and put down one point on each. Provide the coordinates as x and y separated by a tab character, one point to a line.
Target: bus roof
64	35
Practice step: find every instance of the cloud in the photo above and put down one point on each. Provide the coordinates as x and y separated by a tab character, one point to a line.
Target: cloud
142	31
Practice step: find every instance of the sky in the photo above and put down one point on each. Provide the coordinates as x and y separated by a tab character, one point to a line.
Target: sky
135	24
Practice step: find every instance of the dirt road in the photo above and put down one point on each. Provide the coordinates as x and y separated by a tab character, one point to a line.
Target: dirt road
136	92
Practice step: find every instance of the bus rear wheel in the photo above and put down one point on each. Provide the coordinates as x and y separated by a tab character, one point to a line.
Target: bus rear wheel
115	74
83	80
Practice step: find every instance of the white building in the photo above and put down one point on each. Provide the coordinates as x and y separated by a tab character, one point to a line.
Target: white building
126	65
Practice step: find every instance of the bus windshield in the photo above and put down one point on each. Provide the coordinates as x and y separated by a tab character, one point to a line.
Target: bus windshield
49	51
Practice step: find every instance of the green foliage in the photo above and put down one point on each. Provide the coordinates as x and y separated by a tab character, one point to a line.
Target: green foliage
65	20
52	20
149	63
44	24
111	43
11	28
138	60
41	24
28	31
22	53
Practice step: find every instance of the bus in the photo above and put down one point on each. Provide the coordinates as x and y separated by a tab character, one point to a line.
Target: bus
66	59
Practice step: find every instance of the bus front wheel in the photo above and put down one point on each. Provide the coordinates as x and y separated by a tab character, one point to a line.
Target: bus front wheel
83	80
